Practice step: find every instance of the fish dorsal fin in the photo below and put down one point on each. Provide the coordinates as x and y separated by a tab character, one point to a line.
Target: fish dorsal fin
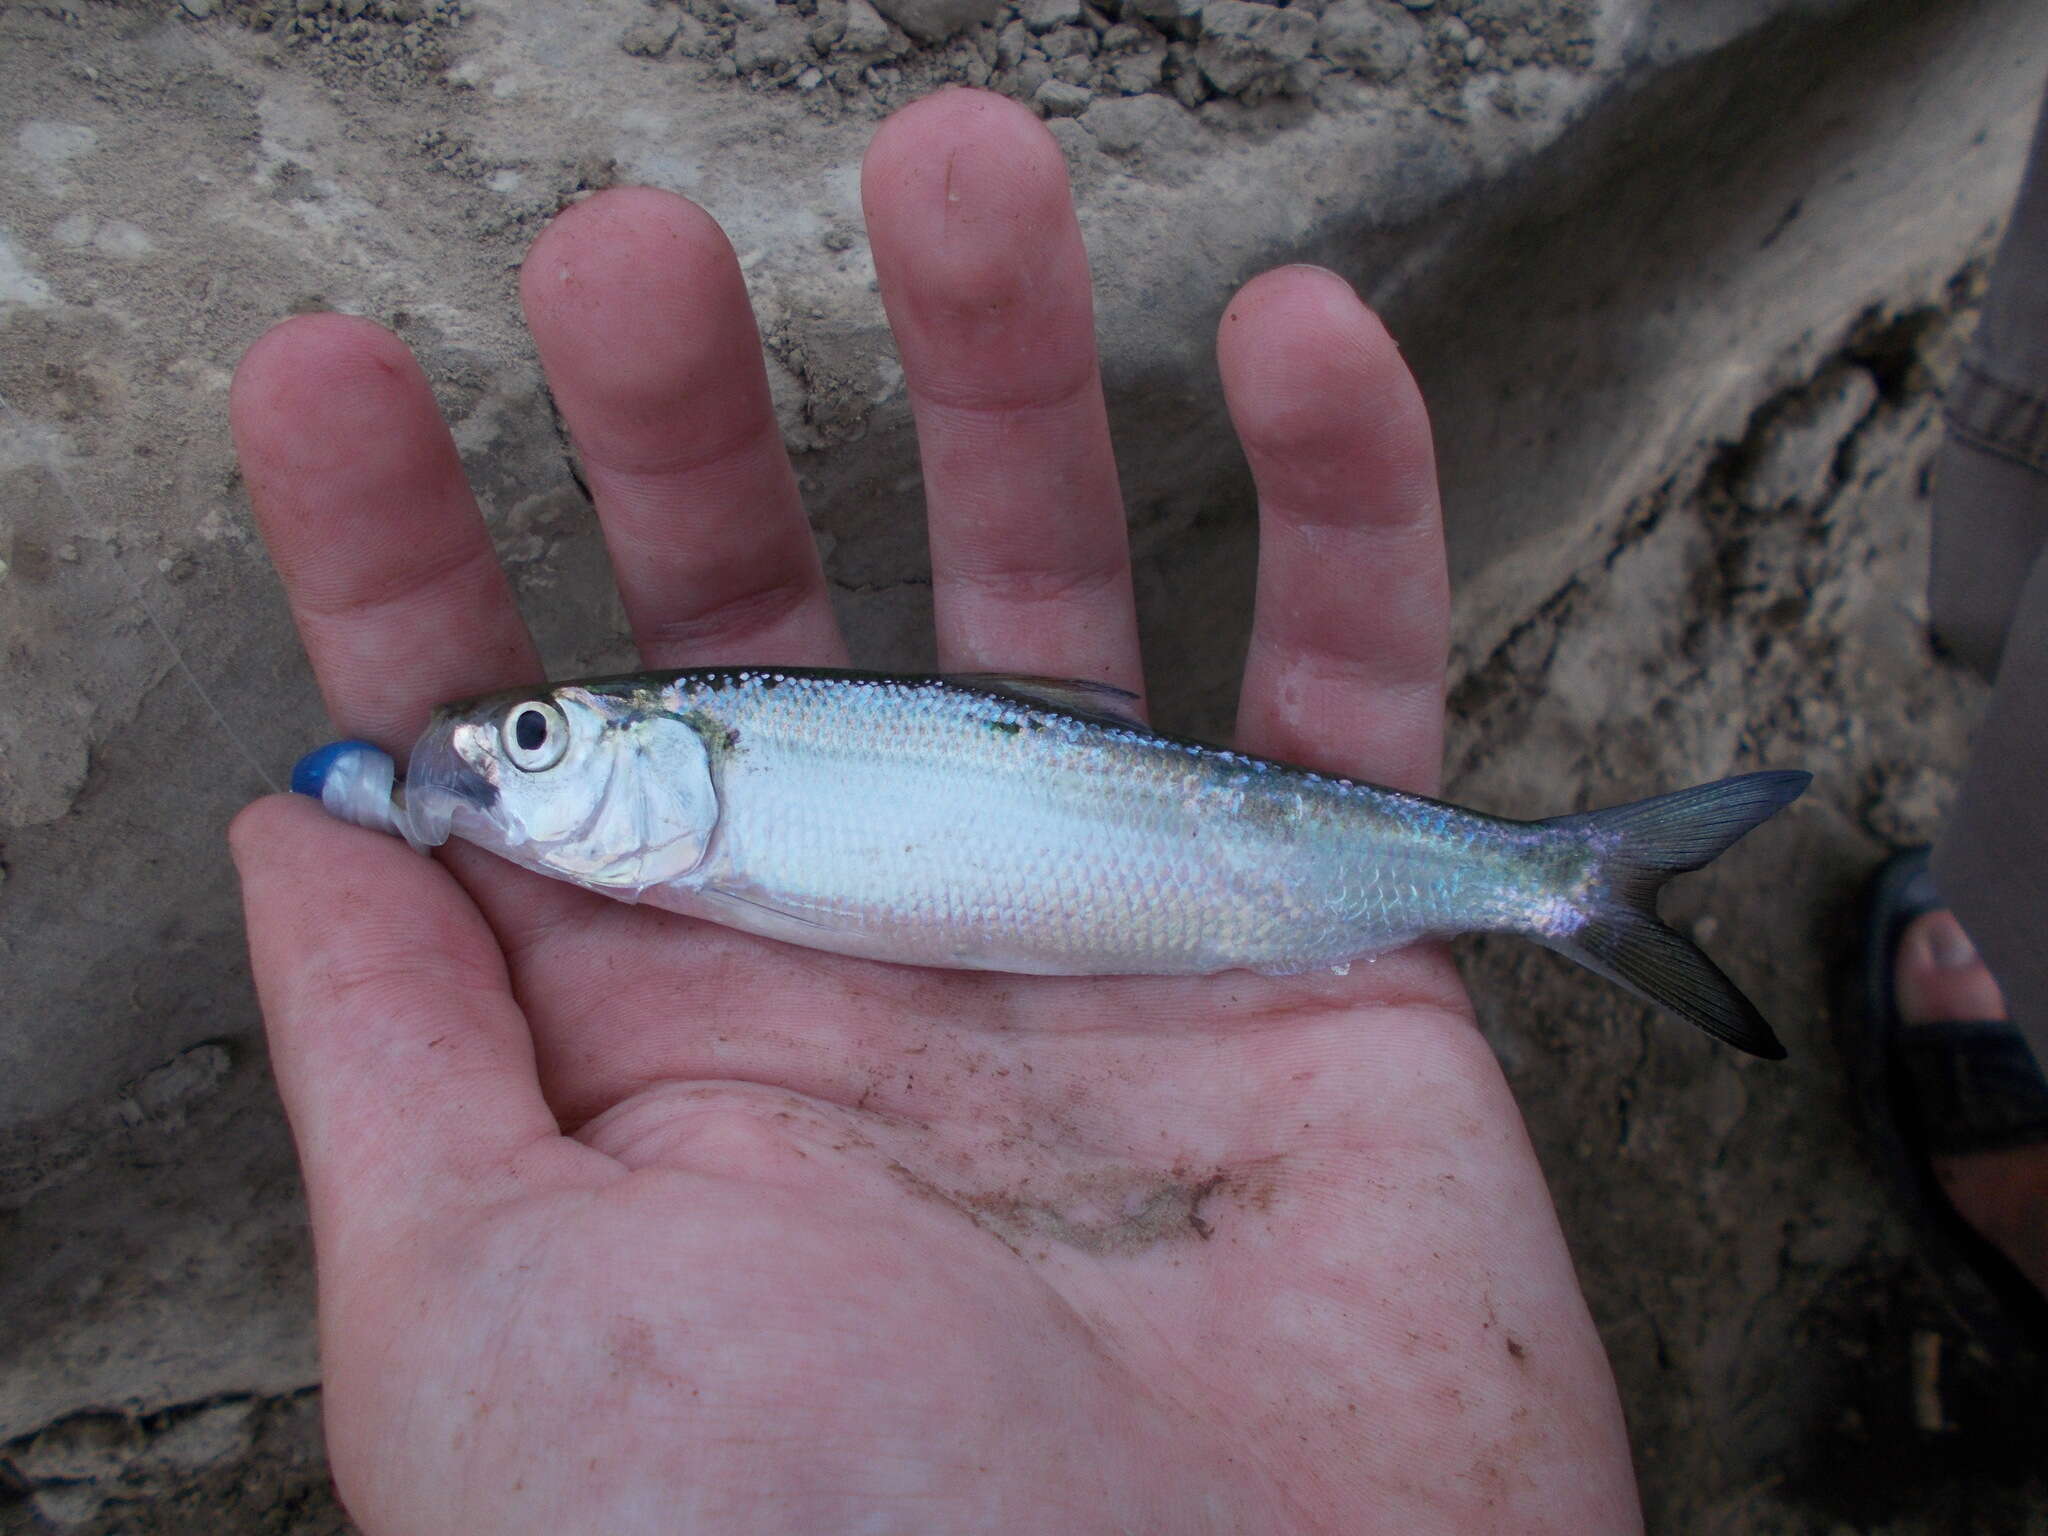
1095	701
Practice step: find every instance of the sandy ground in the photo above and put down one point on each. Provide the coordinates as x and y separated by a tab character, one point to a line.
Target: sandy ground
1789	1348
1788	1357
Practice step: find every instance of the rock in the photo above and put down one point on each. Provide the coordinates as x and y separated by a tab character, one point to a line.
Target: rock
1032	71
649	39
1060	98
772	47
1793	457
198	10
87	1447
1249	48
69	1506
694	39
167	1094
1368	36
1906	804
930	21
1065	43
1136	73
206	1437
865	33
1043	16
1176	18
1122	125
1184	77
828	25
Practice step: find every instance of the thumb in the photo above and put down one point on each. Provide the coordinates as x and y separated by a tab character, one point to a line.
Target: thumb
405	1064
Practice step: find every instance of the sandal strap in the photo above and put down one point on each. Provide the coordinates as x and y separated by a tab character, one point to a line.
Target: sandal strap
1975	1086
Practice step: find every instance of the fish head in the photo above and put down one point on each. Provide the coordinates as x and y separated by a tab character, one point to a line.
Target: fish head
605	789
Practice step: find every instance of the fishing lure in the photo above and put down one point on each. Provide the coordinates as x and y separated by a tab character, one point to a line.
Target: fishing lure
1029	825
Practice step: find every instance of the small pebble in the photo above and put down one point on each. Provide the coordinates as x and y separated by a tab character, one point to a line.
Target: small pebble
1046	15
648	40
1062	98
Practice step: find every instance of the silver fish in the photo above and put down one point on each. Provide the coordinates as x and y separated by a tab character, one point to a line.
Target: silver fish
1030	825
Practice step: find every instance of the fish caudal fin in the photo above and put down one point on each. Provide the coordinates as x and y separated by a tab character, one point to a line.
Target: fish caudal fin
1641	846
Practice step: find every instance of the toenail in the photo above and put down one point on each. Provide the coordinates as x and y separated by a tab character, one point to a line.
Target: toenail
1950	947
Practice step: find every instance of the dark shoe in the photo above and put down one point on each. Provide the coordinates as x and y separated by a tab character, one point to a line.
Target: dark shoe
1931	1090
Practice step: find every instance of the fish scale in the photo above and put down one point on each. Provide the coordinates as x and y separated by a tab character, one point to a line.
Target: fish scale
1030	825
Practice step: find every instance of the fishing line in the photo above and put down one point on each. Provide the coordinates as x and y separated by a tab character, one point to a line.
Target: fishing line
141	596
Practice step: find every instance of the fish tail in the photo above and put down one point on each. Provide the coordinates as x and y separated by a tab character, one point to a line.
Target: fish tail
1637	848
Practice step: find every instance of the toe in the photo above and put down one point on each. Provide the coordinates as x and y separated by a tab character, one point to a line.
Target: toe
1940	976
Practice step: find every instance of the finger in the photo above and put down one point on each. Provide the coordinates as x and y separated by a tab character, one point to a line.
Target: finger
641	315
403	1062
360	496
1349	640
986	284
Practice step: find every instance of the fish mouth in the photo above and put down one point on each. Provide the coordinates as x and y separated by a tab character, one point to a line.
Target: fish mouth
440	785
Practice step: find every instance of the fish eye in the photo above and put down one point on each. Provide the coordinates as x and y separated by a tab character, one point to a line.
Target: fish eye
534	735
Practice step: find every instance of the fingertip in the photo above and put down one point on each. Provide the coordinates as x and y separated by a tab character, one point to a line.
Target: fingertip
1346	664
290	852
297	829
976	242
991	132
641	315
1289	300
257	824
1296	347
310	376
614	251
639	309
299	340
329	397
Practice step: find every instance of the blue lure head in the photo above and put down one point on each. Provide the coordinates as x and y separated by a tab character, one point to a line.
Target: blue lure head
356	782
311	773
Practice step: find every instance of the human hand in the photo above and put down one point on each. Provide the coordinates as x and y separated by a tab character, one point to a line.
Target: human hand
628	1223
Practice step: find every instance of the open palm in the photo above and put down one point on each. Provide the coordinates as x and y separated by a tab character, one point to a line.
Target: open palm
627	1223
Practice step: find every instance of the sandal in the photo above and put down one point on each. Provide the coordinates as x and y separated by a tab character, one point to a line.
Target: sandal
1945	1088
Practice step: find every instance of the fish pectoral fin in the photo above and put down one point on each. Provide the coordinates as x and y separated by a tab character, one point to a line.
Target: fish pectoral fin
1097	701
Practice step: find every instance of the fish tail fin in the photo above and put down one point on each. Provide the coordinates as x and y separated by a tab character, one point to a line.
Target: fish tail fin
1640	846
